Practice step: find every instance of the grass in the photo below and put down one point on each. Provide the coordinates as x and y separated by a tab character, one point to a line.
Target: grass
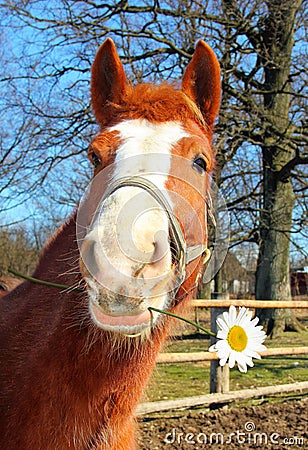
180	380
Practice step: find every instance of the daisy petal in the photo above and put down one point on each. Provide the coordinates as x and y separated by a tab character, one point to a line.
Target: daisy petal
242	368
255	321
222	324
241	315
232	316
225	316
231	360
223	362
221	334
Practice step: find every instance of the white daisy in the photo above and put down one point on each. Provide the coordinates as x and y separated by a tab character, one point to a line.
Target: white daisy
239	338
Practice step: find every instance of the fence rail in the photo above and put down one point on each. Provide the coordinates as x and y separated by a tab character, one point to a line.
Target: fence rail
294	304
222	398
165	358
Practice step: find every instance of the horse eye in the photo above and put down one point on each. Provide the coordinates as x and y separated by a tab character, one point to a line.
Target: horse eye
200	165
95	160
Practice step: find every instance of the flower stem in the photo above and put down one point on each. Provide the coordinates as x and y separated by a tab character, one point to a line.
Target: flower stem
45	283
194	324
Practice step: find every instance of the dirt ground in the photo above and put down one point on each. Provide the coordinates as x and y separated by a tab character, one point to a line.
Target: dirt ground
277	425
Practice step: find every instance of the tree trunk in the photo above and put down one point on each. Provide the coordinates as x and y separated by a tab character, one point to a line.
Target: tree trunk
272	277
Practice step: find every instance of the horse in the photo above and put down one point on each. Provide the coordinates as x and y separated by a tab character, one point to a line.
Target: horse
75	361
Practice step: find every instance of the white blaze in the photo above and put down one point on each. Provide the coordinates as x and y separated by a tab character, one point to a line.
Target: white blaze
143	138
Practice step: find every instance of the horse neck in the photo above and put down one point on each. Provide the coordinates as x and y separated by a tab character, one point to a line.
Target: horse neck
59	262
81	373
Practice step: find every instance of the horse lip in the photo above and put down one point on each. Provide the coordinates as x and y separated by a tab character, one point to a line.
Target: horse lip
124	324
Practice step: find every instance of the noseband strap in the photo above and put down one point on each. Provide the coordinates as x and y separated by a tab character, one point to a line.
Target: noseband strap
185	254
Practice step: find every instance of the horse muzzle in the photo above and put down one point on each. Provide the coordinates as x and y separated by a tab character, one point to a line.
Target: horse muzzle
134	257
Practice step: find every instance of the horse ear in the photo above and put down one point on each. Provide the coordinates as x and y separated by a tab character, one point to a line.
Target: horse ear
108	81
201	82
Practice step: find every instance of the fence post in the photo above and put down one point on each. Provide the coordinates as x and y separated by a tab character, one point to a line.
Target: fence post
219	376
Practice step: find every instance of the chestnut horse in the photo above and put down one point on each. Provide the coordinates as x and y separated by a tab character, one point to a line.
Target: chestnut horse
75	363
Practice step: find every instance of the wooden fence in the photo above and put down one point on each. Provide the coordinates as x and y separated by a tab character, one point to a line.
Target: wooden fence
219	382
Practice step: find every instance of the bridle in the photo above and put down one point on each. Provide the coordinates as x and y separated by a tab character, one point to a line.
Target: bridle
185	254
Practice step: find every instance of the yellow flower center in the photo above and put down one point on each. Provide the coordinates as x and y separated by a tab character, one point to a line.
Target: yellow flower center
237	338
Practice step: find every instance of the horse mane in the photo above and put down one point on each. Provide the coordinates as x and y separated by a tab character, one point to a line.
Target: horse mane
158	103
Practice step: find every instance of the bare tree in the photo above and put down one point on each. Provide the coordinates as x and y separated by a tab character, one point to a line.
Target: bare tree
281	153
47	122
17	251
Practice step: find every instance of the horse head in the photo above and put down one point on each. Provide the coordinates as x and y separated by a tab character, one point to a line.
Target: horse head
144	223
